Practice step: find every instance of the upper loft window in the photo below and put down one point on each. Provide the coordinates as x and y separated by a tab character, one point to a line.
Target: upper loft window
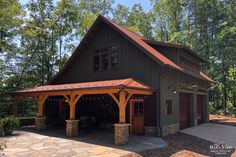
138	108
106	59
189	63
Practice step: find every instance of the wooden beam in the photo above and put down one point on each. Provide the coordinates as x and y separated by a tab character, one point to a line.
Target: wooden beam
114	97
70	92
128	97
72	112
122	101
141	92
40	99
72	100
72	96
84	92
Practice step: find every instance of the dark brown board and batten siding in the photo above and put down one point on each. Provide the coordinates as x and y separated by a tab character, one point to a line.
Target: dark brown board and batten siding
169	81
149	108
132	63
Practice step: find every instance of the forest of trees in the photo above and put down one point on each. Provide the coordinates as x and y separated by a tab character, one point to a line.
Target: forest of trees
37	38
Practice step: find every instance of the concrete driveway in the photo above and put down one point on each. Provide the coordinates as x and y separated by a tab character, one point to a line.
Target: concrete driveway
214	132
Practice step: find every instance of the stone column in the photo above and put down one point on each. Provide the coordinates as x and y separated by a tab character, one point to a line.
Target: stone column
121	133
40	123
72	128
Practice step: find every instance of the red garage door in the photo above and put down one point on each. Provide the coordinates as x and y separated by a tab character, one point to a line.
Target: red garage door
200	106
184	109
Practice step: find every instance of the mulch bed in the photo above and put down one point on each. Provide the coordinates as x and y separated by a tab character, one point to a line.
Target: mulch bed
224	120
183	145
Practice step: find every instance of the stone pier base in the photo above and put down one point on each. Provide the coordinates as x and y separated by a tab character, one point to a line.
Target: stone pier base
72	128
150	130
121	133
170	129
40	123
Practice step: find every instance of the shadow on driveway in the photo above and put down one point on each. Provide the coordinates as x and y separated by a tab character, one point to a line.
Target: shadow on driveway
29	142
137	143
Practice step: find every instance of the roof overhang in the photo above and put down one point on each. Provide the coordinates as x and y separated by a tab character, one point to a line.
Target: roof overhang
96	87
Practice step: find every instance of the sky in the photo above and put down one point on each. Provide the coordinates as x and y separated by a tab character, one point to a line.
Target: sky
129	3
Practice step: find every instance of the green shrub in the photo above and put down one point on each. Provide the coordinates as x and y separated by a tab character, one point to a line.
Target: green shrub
9	124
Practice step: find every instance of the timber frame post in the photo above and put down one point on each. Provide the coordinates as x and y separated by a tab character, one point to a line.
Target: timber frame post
122	101
122	129
40	119
40	99
72	100
72	123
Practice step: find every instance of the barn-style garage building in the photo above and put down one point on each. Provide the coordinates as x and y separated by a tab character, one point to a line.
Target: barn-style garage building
118	77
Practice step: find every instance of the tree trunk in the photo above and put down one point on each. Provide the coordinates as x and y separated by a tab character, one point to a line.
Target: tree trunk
224	92
234	103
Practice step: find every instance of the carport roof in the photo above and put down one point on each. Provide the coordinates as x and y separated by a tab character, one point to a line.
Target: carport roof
128	83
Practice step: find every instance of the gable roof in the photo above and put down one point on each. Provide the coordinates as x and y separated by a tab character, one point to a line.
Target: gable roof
128	83
138	41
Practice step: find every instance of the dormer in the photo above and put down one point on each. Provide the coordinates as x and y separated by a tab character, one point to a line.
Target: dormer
181	55
188	61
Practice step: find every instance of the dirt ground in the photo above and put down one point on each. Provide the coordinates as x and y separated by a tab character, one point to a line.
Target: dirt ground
225	120
183	145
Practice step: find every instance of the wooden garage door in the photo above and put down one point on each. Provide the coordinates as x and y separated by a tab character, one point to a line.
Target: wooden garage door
184	109
200	106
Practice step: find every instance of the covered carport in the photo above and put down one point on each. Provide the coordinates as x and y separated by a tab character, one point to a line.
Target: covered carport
119	90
